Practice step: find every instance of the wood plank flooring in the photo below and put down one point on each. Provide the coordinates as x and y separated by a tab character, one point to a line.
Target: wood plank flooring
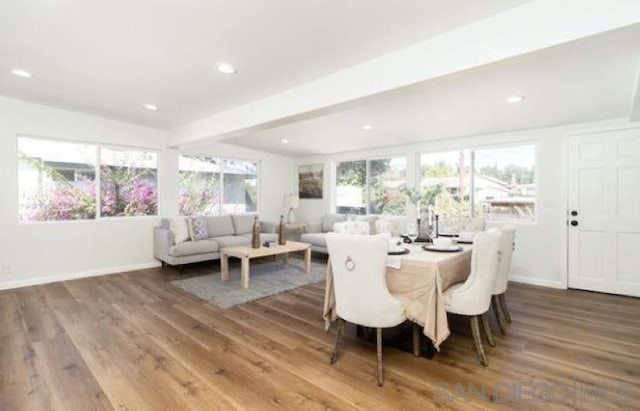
133	341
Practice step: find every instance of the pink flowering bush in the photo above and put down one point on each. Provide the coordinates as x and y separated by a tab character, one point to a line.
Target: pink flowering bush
127	191
62	201
199	193
124	191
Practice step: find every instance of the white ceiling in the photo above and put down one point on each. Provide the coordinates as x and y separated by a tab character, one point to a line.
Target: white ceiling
112	57
589	79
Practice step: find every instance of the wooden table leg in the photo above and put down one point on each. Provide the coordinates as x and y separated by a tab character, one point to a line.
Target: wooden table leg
245	272
285	258
224	267
307	260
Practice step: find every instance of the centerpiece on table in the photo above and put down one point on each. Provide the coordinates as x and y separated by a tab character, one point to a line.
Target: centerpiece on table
424	197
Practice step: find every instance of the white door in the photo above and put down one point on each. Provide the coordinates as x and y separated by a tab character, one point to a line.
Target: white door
604	212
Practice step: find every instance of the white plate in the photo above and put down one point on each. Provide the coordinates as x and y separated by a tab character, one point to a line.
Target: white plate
448	248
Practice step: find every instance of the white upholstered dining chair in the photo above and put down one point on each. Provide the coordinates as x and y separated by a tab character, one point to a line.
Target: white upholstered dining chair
352	227
358	263
473	297
499	302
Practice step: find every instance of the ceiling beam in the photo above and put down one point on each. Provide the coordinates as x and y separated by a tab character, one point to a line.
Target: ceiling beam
634	114
532	26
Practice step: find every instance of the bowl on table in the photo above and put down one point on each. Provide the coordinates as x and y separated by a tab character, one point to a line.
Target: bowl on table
442	242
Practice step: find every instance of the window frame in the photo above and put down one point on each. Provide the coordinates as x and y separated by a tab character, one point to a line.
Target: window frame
221	160
473	149
367	160
97	180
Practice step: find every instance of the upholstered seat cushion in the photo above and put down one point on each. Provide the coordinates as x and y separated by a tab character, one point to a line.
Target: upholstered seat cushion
193	247
231	240
263	237
317	239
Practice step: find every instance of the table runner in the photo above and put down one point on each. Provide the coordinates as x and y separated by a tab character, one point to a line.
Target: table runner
418	284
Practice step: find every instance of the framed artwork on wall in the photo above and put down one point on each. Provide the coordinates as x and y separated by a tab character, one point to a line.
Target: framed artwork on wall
310	180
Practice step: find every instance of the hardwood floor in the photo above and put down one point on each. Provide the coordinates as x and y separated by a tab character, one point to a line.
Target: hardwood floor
133	341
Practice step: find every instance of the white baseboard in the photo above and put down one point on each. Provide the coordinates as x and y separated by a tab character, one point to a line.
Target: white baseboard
537	281
73	276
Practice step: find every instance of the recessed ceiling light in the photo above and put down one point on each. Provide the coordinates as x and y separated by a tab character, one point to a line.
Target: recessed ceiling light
284	141
515	99
21	73
151	107
367	127
226	68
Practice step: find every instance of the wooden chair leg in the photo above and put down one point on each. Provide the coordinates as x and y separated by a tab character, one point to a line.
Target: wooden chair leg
416	339
475	331
339	338
497	310
487	330
379	352
503	305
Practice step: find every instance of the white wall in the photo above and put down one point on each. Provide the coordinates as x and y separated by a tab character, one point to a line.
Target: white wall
540	256
43	252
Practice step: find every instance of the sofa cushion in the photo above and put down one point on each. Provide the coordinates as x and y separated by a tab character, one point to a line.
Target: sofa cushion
243	223
317	239
180	229
271	237
217	226
198	228
193	247
330	219
232	240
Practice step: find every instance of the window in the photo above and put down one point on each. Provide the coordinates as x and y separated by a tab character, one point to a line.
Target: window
57	181
499	182
199	185
240	181
371	186
447	176
351	179
387	178
128	183
505	186
213	186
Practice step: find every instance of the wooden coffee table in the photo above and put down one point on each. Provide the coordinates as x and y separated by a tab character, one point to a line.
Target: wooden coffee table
246	253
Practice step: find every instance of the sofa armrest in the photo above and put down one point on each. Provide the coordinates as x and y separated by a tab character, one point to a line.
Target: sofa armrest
162	241
315	227
268	227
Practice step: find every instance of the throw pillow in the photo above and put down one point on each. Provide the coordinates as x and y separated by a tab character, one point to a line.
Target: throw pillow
180	229
198	228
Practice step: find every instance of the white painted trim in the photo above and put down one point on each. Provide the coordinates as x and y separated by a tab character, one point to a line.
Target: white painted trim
537	281
73	276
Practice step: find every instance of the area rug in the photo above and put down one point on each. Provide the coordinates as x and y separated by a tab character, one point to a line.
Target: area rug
266	278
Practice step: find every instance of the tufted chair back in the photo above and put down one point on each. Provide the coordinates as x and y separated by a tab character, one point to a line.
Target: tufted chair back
473	297
352	227
358	263
507	244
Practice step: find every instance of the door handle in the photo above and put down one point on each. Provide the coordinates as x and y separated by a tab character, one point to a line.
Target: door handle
574	213
574	223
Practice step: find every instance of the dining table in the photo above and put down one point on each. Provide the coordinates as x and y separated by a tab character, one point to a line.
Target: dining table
418	279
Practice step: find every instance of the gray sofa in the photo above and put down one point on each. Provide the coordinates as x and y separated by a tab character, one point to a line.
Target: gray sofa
315	233
224	231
